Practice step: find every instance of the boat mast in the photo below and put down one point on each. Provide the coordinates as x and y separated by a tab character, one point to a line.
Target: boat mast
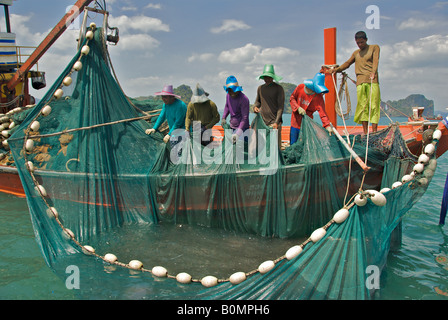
57	31
330	59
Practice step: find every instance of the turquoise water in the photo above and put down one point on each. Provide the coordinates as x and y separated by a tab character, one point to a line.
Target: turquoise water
417	270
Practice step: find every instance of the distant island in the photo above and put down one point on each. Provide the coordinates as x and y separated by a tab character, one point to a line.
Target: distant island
399	108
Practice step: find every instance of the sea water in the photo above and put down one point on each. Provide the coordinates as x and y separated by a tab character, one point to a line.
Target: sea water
416	270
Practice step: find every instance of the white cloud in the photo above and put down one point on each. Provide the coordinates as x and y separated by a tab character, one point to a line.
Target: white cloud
230	25
154	6
140	23
277	54
22	31
431	50
417	24
440	4
129	8
240	55
204	57
413	67
137	41
255	54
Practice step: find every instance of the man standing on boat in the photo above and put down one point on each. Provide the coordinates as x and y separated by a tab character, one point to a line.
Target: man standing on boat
173	111
237	105
366	60
201	111
270	100
306	99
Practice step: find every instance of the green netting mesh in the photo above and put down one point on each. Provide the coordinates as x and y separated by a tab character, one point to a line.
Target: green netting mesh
121	191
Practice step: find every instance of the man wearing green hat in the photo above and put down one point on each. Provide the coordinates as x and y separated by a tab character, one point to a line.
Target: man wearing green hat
270	100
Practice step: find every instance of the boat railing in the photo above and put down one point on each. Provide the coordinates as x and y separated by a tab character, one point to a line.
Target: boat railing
15	56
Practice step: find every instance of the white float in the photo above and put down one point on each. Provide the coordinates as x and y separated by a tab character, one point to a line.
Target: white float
423	158
293	252
432	164
52	212
429	149
360	200
40	189
29	145
35	126
46	110
89	35
341	215
237	277
58	94
209	281
437	134
159	271
423	181
384	190
88	249
77	66
30	166
135	264
69	233
377	198
419	168
428	173
110	257
67	81
266	266
397	184
318	234
85	50
183	277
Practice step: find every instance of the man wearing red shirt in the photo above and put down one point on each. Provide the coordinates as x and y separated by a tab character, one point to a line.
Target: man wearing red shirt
308	98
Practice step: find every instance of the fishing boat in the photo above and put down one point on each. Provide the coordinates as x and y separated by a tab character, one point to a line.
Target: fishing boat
103	196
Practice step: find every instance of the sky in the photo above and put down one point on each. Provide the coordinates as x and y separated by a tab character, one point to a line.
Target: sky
204	41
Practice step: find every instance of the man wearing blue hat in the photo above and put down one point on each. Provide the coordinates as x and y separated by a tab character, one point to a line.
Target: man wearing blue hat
306	99
237	105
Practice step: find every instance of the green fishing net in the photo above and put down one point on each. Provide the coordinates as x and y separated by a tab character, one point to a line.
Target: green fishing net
98	180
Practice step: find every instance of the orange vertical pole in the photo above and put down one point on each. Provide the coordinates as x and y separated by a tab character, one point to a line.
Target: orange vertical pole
330	59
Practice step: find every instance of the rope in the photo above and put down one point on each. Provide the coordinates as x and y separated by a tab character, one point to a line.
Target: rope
347	135
342	89
339	103
90	127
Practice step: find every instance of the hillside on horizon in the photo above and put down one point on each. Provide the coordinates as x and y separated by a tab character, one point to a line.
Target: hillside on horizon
397	108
